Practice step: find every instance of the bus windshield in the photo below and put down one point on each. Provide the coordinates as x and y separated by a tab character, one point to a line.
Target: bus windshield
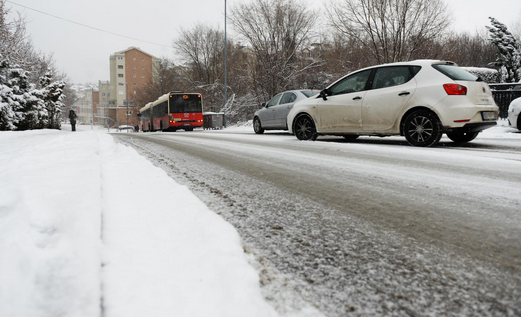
186	103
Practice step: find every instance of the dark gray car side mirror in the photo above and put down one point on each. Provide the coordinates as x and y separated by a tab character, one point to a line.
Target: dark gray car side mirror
324	93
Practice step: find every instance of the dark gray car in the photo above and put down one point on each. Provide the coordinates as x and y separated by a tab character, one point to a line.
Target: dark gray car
273	114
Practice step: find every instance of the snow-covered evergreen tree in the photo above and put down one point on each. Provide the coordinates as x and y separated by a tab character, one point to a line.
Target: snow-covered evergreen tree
26	104
509	52
22	105
52	96
7	116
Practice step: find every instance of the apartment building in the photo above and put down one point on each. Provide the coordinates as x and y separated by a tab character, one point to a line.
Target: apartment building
130	70
101	102
83	105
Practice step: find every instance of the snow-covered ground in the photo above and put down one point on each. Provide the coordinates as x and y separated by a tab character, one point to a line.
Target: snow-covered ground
88	227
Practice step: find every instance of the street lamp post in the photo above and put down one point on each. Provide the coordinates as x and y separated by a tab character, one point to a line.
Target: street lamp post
126	90
225	60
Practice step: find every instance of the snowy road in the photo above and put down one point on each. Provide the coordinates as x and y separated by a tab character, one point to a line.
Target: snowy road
373	227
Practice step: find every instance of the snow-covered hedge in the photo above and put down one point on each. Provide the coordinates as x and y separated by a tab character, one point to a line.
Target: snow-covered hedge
487	74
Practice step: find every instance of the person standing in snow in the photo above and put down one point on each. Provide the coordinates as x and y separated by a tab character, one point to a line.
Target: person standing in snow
72	118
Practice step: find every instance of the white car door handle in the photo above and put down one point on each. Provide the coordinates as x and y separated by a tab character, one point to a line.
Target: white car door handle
405	93
357	98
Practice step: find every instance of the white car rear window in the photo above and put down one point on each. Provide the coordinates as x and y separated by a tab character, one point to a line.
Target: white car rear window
455	72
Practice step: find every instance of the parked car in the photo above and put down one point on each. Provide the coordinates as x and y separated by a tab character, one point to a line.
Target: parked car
274	113
126	128
514	113
420	100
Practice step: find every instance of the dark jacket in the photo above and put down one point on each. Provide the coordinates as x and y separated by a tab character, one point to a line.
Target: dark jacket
72	117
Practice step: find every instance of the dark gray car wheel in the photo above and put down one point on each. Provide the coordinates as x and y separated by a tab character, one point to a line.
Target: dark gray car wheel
305	128
257	127
422	128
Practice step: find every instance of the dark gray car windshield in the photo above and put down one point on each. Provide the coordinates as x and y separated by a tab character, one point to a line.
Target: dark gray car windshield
455	72
310	93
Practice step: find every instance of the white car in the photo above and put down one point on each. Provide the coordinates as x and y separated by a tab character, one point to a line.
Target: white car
126	128
514	113
420	100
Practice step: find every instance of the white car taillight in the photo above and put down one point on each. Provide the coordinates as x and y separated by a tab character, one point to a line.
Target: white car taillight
455	89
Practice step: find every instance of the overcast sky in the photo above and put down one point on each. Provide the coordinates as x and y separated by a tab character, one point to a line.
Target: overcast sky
83	53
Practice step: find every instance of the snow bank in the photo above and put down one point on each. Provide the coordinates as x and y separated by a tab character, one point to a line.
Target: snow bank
88	227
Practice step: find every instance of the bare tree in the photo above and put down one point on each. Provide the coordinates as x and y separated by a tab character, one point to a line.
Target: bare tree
15	44
168	79
471	50
392	30
202	49
276	30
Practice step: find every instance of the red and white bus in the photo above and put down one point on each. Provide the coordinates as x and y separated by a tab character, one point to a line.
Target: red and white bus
173	111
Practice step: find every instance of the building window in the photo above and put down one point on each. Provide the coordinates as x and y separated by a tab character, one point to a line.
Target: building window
121	92
135	92
134	67
134	58
135	84
142	76
120	75
135	76
120	66
129	112
142	59
121	84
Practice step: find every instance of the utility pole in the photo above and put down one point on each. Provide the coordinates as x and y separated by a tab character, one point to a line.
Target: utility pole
126	89
225	60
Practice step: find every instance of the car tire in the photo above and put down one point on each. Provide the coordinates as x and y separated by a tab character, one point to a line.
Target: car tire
422	128
462	137
519	122
305	128
257	127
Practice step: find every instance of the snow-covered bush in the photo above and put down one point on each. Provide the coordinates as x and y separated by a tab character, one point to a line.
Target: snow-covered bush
242	109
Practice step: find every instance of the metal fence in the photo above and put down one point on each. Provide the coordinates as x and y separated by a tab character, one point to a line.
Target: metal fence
503	95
